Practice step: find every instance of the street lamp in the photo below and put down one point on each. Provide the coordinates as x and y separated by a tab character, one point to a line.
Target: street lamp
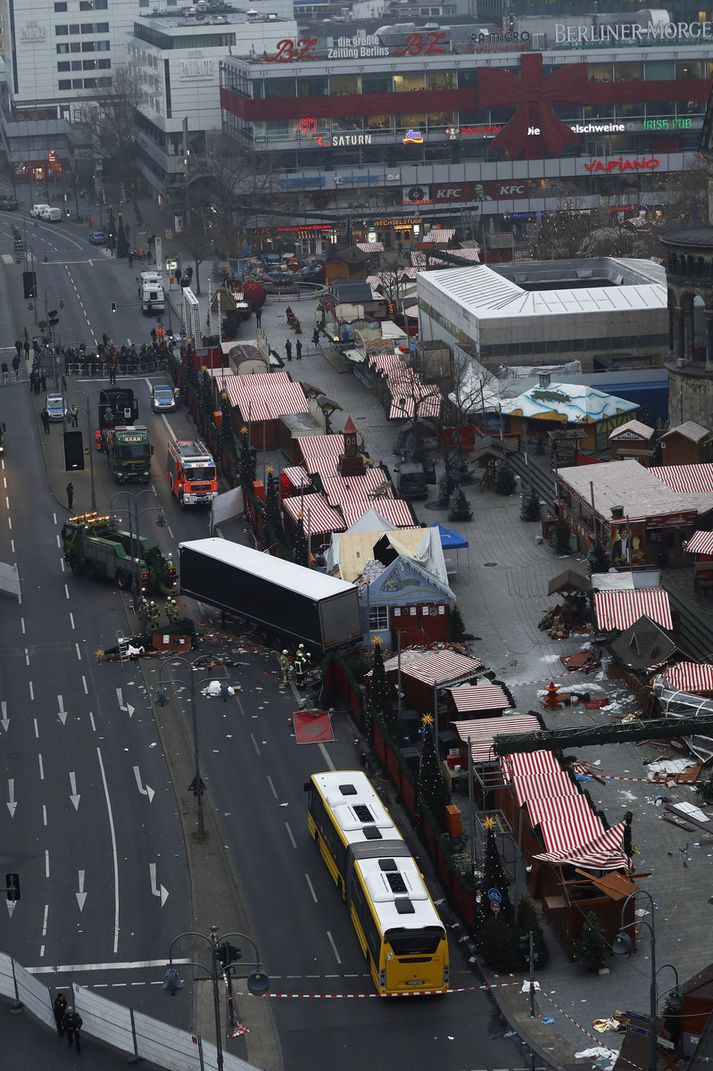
223	959
85	396
623	945
161	697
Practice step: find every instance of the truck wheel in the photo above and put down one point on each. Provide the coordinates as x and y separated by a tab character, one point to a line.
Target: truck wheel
123	580
76	566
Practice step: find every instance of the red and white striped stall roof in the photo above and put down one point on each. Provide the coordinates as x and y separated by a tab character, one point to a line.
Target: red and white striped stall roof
565	821
543	787
385	363
341	488
482	732
404	405
435	667
605	852
529	763
443	235
297	476
686	479
394	510
318	516
700	543
321	453
266	396
692	677
620	609
471	697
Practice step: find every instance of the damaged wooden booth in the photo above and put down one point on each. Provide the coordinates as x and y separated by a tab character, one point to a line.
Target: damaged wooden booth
579	864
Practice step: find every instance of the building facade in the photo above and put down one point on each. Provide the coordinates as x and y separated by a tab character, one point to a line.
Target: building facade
438	127
175	61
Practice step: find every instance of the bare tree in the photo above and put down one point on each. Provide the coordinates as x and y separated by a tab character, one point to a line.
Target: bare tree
242	184
110	116
561	231
413	398
198	239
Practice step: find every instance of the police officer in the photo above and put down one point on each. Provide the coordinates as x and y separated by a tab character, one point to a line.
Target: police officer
285	668
58	1010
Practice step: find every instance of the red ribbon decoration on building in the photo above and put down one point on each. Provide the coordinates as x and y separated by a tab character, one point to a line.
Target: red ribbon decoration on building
533	96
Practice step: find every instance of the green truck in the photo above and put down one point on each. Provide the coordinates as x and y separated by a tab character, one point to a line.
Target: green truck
128	450
94	548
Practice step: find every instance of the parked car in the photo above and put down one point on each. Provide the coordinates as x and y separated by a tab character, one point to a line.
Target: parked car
55	406
163	398
37	210
8	204
97	238
50	215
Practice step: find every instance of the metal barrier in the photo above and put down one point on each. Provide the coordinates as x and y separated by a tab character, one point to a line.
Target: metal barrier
129	1031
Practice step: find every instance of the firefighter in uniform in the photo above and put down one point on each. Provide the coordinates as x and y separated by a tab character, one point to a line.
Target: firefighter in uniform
285	668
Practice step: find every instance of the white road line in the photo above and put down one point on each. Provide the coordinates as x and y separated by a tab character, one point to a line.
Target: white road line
12	545
54	520
22	625
85	685
325	755
255	744
169	429
168	529
71	620
61	565
42	951
47	862
290	834
59	544
9	523
44	814
42	768
37	729
7	502
91	719
311	889
334	947
115	856
27	657
83	968
66	591
272	787
79	653
44	920
32	691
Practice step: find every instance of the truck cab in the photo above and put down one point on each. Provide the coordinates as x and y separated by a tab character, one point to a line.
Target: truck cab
151	293
129	450
191	472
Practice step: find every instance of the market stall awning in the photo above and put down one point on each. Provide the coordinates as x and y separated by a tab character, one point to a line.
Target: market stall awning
529	764
604	852
565	821
319	518
470	698
450	539
620	609
700	543
546	786
690	677
436	667
482	731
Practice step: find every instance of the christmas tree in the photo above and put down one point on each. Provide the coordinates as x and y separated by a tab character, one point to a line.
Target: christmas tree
599	561
495	882
530	505
562	540
432	788
504	479
247	460
273	518
225	435
122	242
206	388
459	507
592	949
300	552
379	700
456	627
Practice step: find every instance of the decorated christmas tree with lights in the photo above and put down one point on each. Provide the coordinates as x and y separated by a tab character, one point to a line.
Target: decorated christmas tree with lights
273	520
495	883
432	788
300	550
378	705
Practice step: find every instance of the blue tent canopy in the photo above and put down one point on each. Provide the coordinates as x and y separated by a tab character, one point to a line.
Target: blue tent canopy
450	539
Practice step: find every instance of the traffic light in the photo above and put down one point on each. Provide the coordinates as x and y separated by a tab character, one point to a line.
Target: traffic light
12	887
172	983
524	943
29	284
53	317
227	953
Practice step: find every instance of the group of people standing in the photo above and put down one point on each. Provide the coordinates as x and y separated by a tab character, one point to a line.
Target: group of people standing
297	666
68	1021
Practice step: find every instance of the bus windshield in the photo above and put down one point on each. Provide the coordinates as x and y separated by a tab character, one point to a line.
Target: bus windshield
195	473
423	942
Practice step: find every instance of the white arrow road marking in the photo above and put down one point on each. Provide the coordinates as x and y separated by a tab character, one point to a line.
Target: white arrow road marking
62	713
161	891
11	905
73	794
147	791
11	805
4	721
122	706
81	895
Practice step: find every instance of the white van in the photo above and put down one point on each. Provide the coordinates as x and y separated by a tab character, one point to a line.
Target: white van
50	215
37	210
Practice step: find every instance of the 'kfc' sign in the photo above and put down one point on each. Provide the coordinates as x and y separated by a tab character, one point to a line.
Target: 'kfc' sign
453	191
496	191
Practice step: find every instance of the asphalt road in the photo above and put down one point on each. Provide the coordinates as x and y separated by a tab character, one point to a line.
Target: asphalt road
69	737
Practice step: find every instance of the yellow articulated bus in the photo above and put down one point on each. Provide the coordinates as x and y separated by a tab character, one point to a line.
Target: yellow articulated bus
396	922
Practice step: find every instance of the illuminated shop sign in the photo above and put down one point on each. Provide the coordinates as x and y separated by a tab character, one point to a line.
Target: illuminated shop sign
668	124
517	37
481	130
396	222
417	195
305	228
641	163
601	35
291	50
607	127
413	137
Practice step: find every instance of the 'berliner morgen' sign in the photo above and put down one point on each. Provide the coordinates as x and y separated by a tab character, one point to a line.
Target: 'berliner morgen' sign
632	31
